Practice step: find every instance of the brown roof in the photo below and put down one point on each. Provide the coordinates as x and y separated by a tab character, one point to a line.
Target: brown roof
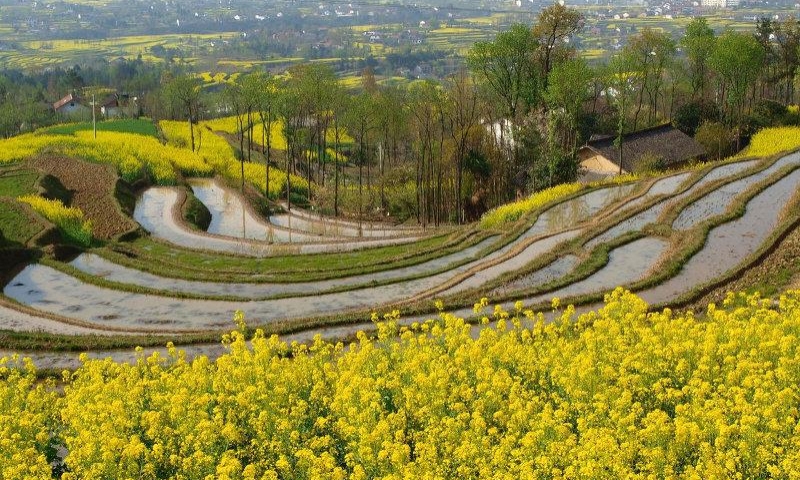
663	141
69	98
111	102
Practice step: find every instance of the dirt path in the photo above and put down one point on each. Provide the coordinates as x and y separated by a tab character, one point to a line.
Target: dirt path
92	187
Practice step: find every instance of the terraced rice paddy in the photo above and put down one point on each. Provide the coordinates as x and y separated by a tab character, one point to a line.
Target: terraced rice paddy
235	229
555	252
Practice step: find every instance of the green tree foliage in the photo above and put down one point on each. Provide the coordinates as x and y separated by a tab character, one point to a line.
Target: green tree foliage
648	54
567	91
554	29
693	114
507	66
787	40
182	92
716	139
698	43
737	61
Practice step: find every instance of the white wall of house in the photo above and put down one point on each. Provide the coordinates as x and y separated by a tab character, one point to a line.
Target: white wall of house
111	112
74	109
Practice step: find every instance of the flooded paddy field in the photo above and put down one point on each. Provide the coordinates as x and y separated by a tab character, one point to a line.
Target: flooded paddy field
73	307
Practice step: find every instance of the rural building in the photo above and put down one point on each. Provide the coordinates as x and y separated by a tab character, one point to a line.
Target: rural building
719	3
671	147
119	106
72	106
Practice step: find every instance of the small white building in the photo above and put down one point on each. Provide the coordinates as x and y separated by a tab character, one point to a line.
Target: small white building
719	3
119	106
72	106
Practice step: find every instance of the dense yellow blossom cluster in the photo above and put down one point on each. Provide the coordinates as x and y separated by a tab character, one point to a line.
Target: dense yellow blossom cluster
773	140
69	220
27	415
616	393
218	153
231	125
278	139
131	154
511	212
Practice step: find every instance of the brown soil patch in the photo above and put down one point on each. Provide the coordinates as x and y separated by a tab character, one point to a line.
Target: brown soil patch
786	257
92	186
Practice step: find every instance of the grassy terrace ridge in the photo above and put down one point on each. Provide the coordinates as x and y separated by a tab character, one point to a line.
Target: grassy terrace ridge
683	248
598	259
17	182
18	224
166	260
162	259
593	261
325	266
136	126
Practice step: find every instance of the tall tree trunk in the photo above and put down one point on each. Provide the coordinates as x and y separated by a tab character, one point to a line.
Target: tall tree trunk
191	129
336	170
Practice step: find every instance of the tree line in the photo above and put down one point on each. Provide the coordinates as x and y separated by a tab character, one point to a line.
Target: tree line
509	122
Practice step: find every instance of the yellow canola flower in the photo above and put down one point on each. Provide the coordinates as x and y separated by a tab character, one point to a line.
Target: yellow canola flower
219	155
68	219
615	393
773	140
512	212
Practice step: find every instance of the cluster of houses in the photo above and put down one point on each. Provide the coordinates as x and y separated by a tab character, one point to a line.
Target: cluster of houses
116	105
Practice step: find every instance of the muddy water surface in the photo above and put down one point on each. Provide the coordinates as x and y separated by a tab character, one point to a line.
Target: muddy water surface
626	264
155	212
730	243
718	201
100	267
640	220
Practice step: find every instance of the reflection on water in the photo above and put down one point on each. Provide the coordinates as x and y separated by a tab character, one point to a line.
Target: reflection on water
730	243
627	264
229	218
524	257
665	186
555	270
716	202
640	220
100	267
50	290
579	209
156	212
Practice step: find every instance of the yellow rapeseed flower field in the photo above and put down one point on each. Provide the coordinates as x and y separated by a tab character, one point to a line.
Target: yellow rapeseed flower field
68	219
131	154
512	212
771	141
616	393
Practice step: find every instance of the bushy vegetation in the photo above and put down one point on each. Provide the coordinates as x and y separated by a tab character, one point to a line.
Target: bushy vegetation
69	220
231	125
614	393
16	226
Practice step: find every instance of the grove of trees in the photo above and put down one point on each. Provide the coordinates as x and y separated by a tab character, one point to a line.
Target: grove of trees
508	123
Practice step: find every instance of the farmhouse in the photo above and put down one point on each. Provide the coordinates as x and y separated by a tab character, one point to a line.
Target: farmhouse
119	106
664	145
72	106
